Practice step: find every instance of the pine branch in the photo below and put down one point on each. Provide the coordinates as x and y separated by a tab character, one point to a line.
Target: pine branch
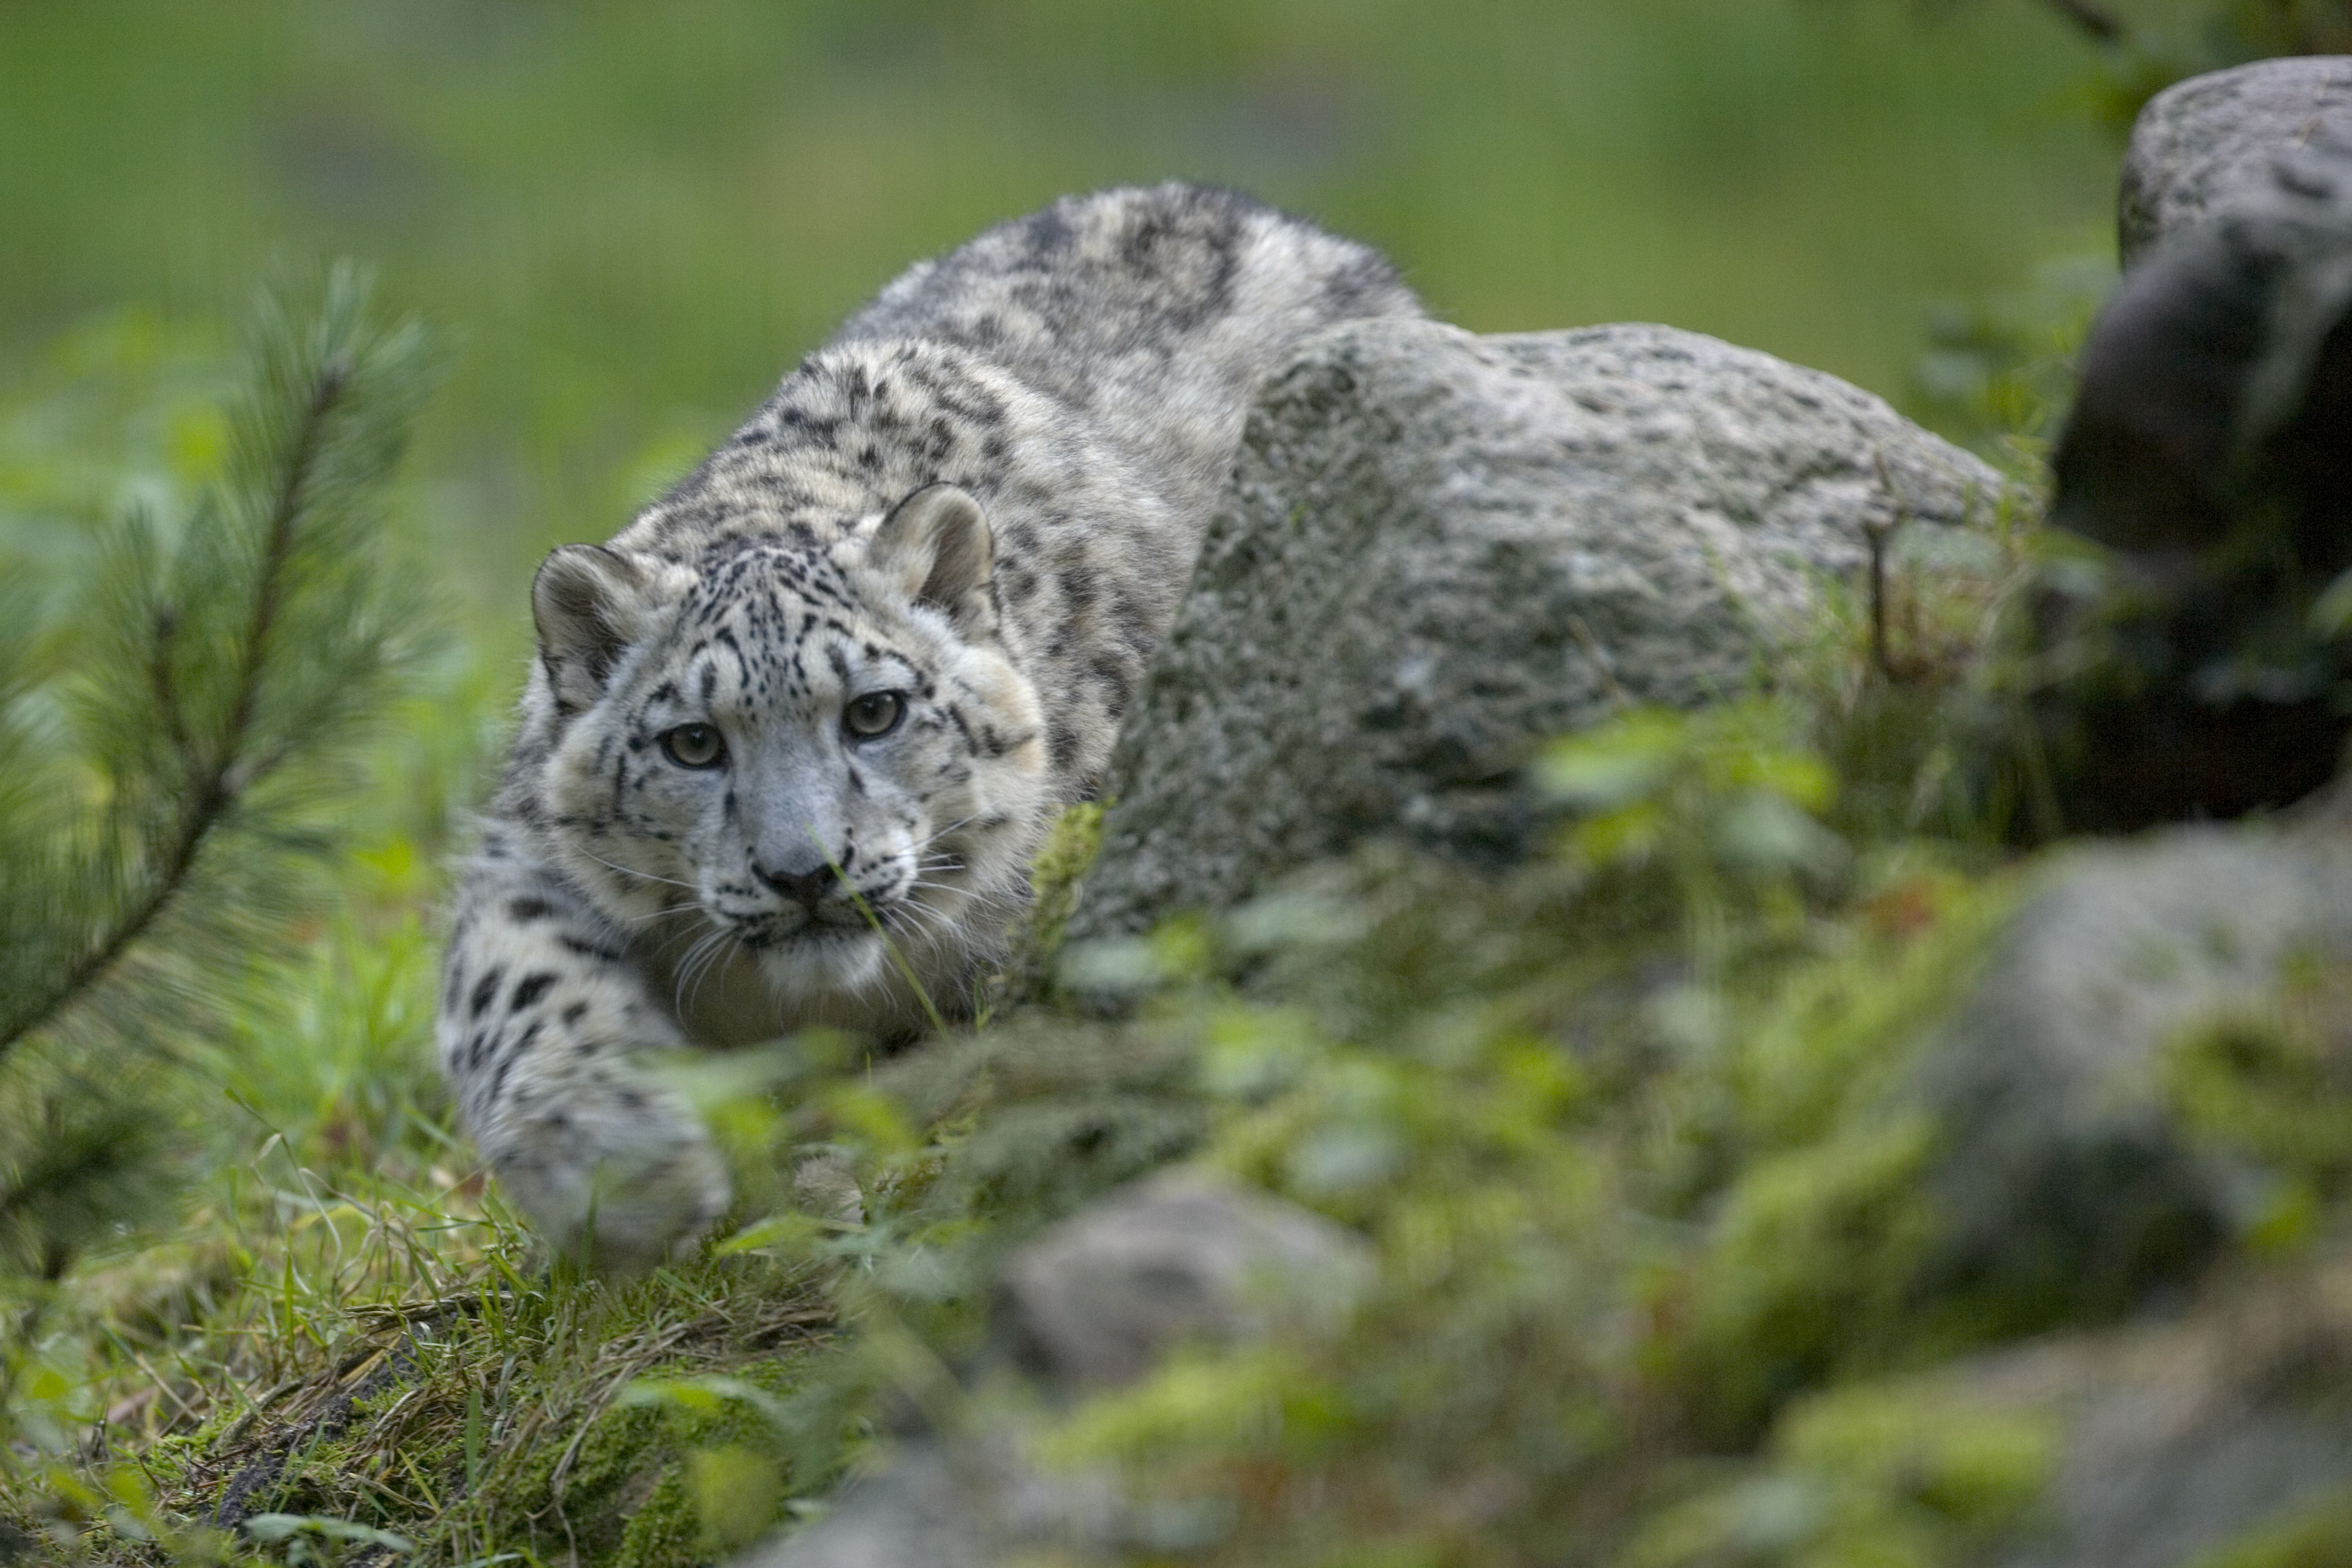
327	394
83	1155
222	671
215	785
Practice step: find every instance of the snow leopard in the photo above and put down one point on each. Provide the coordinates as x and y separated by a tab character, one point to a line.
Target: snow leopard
791	736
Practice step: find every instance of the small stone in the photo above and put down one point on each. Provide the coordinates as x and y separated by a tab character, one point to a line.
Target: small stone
1096	1301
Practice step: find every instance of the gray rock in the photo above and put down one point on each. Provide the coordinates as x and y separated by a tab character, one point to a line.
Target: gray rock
915	1512
973	1499
2171	1444
2200	144
1438	548
1097	1300
2065	1185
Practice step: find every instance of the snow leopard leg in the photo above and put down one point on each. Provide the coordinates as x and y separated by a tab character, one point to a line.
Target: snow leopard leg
540	1016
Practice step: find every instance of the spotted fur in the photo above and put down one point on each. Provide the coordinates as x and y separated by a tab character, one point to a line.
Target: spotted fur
972	512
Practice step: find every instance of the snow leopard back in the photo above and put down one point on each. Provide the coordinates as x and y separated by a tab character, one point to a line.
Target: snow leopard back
1152	313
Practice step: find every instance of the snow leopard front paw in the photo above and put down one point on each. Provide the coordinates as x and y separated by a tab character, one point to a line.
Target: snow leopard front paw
624	1180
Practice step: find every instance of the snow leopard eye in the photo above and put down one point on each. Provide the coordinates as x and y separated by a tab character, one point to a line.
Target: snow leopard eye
875	713
694	746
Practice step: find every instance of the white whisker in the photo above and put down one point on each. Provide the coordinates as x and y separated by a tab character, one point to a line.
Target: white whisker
929	924
704	949
677	989
718	955
667	910
633	871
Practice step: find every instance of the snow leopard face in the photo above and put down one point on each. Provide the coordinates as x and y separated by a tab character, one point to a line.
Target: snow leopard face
815	754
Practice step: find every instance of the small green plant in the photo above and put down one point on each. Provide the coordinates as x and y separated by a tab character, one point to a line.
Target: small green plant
1998	372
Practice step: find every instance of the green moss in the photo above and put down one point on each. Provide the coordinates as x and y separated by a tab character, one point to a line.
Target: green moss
614	1471
1908	1475
1833	1043
2273	1082
1822	1222
629	1498
2319	1537
1977	1465
665	1530
169	1457
1061	863
1811	1265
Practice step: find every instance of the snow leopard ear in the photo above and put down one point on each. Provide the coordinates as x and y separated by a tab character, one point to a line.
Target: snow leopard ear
935	548
587	602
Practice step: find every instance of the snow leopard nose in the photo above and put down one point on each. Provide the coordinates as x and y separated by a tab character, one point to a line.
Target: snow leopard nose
807	885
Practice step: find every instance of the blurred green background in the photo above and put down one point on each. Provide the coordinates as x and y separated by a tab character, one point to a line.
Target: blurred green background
636	215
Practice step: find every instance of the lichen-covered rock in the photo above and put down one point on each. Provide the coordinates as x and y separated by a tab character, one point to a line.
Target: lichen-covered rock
1438	548
2076	1103
2067	1180
2200	144
2203	1441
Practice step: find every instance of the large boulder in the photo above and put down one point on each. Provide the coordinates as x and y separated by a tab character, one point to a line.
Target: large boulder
2204	1441
2207	1438
1438	548
2200	144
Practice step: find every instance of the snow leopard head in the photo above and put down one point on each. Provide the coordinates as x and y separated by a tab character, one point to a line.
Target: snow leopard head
819	753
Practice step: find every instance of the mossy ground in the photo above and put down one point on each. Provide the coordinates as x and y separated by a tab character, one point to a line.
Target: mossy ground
1623	1127
630	1425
